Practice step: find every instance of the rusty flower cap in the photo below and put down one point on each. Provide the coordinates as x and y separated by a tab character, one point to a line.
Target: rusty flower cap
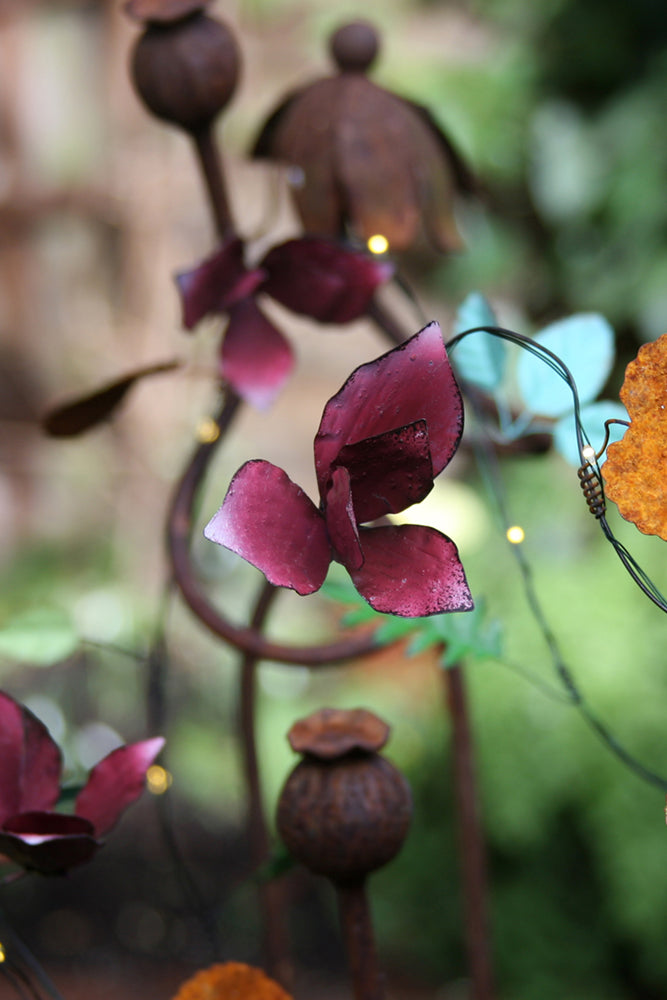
334	732
363	158
163	11
231	979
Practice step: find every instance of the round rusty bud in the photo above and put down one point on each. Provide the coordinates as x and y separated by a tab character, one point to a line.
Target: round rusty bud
354	46
185	71
344	810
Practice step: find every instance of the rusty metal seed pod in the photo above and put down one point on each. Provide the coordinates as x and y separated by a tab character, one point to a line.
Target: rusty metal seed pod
185	71
344	810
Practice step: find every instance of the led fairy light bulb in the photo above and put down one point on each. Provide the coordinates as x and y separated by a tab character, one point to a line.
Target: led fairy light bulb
378	244
515	534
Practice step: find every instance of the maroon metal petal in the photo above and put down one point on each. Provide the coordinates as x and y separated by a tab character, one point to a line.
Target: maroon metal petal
409	383
256	359
30	762
320	278
269	521
48	842
115	783
411	570
389	472
341	521
216	284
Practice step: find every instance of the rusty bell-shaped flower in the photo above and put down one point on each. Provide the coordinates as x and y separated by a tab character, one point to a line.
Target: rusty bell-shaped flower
363	159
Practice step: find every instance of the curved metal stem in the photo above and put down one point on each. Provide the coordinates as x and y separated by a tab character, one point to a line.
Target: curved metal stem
357	927
210	165
471	841
271	894
246	638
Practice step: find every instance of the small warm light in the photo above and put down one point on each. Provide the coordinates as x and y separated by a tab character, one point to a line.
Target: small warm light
158	779
207	431
515	534
378	243
2	954
589	453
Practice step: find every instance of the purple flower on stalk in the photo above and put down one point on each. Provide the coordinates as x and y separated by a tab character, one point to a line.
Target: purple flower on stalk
383	437
31	833
315	277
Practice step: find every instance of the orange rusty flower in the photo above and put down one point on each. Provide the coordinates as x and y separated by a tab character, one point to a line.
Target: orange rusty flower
231	981
635	472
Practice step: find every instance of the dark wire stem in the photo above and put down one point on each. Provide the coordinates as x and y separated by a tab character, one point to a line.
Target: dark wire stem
271	893
210	165
386	322
471	840
157	664
247	639
13	943
488	465
15	980
359	940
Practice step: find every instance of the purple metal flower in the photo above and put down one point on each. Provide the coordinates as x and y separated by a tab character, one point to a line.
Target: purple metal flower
314	277
31	833
383	437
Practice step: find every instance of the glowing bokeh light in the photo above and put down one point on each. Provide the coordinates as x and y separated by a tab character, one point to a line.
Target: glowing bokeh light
378	243
207	431
158	779
515	534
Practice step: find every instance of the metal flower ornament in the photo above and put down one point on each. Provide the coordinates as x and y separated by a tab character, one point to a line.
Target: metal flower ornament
32	834
634	472
393	426
314	277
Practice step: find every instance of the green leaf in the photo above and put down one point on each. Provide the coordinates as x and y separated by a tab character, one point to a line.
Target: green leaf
479	358
40	636
469	635
464	634
585	344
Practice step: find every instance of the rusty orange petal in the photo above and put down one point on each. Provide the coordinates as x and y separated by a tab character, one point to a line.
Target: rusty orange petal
635	472
231	979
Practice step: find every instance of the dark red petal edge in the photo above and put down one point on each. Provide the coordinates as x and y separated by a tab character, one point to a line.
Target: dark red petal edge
30	761
269	521
321	278
412	571
256	360
409	383
116	782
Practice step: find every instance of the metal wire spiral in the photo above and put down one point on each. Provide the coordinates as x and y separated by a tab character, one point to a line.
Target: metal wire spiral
589	480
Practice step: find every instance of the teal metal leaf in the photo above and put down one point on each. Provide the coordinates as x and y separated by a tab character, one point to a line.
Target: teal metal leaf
585	344
480	358
593	417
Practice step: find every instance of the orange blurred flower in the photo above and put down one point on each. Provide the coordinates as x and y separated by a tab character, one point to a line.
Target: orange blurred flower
231	981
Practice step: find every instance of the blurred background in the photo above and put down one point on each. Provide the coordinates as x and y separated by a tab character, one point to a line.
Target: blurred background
559	109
